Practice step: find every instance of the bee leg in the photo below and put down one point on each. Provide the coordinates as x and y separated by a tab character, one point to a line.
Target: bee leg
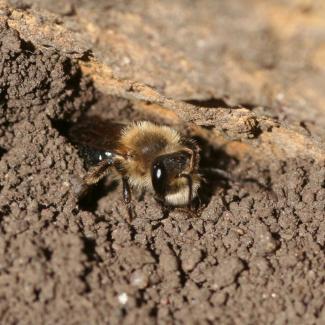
194	150
127	197
190	190
189	213
165	209
200	205
81	186
96	173
220	172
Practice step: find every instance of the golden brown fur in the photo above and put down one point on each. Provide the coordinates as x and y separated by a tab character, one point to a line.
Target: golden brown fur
149	157
144	141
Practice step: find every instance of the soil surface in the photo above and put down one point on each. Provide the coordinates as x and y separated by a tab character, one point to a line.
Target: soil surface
254	254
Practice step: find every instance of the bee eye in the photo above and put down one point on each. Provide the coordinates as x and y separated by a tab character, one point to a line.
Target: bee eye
158	178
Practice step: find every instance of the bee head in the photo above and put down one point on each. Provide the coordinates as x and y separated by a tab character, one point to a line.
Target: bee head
167	175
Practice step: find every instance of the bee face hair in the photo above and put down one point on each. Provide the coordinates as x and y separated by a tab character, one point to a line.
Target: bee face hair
161	162
166	168
143	142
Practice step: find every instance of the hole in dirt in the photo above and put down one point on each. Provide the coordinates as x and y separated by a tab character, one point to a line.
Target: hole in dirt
212	159
90	198
87	55
209	103
216	167
90	249
87	136
28	46
47	253
89	202
73	83
62	127
218	102
3	151
3	94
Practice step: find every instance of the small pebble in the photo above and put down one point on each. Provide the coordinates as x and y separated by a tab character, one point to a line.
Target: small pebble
139	279
190	257
123	298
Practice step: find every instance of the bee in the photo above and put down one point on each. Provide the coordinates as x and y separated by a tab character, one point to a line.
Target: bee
145	156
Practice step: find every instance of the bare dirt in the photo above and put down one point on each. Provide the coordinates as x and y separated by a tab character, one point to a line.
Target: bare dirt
255	255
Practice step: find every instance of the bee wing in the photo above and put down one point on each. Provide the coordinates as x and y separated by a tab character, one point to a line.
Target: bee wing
97	134
97	139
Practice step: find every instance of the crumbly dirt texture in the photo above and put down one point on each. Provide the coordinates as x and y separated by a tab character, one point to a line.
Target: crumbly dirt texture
247	79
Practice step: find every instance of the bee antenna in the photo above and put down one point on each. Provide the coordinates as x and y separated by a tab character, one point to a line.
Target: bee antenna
219	172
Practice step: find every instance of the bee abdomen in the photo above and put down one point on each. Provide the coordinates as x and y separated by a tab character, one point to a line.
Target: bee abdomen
93	156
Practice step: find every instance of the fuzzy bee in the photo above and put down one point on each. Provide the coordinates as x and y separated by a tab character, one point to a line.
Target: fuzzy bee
145	156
